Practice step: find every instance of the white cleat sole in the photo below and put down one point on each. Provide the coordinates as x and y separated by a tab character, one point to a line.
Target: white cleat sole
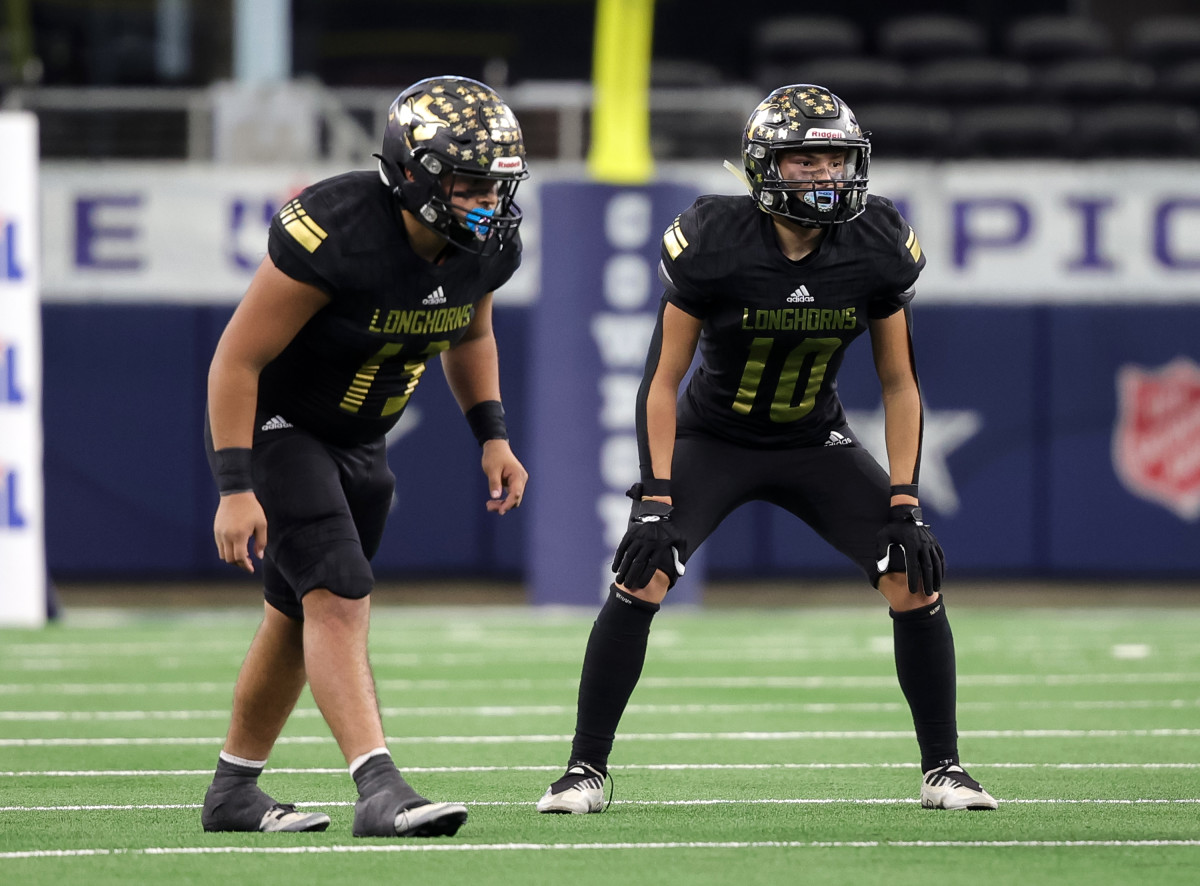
571	802
279	821
976	803
431	820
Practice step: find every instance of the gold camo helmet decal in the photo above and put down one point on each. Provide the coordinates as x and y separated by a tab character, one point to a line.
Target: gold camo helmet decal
786	111
480	121
423	120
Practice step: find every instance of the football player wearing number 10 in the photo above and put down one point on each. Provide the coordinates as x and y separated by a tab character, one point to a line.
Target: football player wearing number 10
368	276
773	288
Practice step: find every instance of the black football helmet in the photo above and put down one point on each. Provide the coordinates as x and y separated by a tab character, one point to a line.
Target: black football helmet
806	117
441	128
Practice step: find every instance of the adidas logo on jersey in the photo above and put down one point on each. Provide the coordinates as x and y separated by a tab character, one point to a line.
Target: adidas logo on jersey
276	423
800	295
836	439
437	297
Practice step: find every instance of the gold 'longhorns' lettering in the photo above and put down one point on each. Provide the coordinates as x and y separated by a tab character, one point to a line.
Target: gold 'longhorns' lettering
789	319
420	322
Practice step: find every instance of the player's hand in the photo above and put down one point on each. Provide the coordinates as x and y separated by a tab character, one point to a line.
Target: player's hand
506	476
919	550
652	542
240	520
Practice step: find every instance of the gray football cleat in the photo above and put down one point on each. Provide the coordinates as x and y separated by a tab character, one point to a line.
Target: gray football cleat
579	791
248	809
383	815
949	787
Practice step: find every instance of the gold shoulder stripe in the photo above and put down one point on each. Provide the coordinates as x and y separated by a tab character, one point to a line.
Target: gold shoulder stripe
673	240
913	245
297	222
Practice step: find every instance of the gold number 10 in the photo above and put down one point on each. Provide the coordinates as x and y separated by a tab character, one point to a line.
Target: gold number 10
782	410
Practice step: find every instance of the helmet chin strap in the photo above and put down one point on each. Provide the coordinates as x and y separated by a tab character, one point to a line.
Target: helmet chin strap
412	194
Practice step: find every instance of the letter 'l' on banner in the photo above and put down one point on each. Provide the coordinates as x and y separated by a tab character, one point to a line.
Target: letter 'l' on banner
591	328
22	545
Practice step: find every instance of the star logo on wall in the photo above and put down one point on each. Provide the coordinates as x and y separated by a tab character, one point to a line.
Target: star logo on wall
945	431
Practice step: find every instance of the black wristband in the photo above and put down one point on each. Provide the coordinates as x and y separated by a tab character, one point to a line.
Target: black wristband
231	470
655	486
905	489
486	419
649	489
650	512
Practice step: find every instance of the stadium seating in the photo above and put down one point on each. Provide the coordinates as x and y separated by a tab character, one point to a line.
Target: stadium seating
805	38
856	79
908	130
1148	130
1034	86
1043	39
1021	130
944	73
1166	40
923	38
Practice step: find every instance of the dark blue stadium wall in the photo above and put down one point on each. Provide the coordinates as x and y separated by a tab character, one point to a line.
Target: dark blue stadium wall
1028	394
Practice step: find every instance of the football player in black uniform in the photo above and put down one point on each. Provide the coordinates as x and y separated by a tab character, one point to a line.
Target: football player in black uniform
364	282
772	288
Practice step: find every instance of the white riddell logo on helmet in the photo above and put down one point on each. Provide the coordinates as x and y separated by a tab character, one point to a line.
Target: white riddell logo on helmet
825	133
508	164
801	294
437	297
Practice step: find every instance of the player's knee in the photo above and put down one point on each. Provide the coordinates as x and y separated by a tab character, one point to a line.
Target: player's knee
654	592
323	605
346	574
894	587
285	627
337	565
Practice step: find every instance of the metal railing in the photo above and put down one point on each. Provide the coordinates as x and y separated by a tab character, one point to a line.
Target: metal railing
344	125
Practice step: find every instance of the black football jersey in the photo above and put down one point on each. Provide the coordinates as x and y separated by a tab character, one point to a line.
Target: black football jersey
348	374
775	331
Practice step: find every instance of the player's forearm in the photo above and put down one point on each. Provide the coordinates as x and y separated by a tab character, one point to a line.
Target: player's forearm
232	400
902	433
660	431
472	371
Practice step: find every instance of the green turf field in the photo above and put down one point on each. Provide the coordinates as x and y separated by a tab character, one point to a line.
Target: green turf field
762	746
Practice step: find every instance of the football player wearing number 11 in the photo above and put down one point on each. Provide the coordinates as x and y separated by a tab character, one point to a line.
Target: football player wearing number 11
773	287
369	275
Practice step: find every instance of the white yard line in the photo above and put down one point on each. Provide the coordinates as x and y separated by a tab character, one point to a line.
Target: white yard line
661	767
572	847
762	801
648	682
818	735
559	710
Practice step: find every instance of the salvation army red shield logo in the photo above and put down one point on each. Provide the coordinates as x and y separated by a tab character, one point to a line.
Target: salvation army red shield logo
1156	442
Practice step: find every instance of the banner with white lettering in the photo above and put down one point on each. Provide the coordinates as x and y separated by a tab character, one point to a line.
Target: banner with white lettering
590	332
170	234
995	233
22	555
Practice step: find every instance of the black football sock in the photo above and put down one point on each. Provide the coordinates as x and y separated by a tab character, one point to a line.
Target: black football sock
234	801
382	795
612	664
925	668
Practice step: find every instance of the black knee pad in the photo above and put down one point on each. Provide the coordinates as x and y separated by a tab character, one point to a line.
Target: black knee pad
324	555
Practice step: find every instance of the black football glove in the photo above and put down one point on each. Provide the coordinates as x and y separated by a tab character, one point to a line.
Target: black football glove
651	542
919	550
